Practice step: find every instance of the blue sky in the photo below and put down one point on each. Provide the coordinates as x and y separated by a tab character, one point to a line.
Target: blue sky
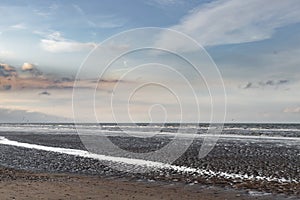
33	24
255	44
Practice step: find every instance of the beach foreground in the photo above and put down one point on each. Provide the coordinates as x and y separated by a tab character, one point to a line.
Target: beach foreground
251	162
16	184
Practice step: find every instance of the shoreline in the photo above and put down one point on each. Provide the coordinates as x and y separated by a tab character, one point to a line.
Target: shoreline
20	184
38	158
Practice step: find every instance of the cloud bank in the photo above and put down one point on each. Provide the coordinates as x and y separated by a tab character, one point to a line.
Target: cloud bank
28	76
292	110
24	116
234	21
7	70
55	43
266	83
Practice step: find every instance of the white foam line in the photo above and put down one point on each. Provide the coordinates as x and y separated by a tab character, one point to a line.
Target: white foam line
251	137
145	133
145	163
77	152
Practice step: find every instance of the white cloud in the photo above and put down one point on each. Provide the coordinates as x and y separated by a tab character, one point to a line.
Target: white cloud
56	43
292	110
8	115
166	2
100	21
235	21
64	46
27	66
78	9
55	36
18	26
6	54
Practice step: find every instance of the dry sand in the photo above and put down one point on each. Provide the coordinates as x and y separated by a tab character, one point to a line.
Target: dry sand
26	185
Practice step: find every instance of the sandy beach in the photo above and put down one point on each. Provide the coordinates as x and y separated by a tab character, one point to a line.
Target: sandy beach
50	162
17	184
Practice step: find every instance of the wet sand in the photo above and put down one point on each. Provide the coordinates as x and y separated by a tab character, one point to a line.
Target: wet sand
255	160
17	184
239	167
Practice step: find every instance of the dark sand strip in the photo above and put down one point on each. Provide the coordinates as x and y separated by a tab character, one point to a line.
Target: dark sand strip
16	184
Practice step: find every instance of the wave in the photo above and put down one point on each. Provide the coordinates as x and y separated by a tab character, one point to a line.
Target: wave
288	131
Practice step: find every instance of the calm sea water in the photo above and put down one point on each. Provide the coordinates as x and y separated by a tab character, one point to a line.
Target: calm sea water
270	130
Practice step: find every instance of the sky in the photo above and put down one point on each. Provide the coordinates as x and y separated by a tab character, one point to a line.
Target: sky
54	59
